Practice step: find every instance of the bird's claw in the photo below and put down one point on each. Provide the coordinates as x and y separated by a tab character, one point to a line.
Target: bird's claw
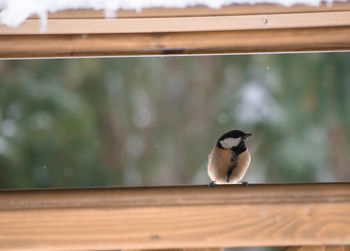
245	183
212	184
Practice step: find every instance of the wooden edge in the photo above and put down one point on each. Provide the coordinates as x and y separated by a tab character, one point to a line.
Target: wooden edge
178	249
318	248
175	217
201	195
325	29
236	9
191	43
182	24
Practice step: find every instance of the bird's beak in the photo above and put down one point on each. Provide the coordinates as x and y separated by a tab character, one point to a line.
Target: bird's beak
247	135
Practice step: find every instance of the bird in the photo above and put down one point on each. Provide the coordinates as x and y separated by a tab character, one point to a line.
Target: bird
229	159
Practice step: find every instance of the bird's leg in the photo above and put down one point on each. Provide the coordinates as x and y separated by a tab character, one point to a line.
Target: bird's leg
212	184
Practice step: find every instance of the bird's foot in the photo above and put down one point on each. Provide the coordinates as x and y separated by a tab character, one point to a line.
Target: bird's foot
244	183
212	184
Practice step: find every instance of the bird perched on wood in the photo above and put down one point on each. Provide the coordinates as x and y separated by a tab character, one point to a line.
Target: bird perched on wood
229	159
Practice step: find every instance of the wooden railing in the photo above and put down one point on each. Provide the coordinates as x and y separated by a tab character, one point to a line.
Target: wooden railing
187	218
175	217
197	30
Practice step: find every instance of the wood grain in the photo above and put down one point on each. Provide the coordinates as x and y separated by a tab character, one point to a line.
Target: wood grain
197	11
319	248
181	24
175	217
235	29
179	249
291	40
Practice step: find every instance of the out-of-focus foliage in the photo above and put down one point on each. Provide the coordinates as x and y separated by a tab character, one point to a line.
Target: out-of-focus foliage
153	121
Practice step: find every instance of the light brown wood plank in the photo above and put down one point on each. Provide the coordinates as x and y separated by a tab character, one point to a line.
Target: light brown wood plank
291	40
178	249
181	24
319	248
175	217
263	33
237	9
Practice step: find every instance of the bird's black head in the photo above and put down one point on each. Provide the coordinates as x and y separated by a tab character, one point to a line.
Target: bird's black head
233	140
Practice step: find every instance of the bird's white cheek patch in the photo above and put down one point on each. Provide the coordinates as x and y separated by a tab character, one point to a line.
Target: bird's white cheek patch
230	142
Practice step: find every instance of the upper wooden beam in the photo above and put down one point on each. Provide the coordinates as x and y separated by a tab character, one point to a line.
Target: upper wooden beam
200	11
182	24
175	217
194	30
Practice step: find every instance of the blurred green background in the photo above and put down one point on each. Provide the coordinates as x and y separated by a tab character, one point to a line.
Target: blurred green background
153	121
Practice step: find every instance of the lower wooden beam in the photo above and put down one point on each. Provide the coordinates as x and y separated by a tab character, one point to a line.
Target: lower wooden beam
178	249
175	217
319	248
220	42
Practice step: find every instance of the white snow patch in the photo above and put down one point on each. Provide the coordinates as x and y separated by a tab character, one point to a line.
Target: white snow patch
9	127
14	12
135	145
142	114
256	104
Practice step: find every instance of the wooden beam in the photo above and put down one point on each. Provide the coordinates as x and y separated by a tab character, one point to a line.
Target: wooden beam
178	249
291	40
198	30
319	248
182	24
175	217
198	11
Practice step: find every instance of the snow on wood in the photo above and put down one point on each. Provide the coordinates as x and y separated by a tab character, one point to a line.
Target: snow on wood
14	12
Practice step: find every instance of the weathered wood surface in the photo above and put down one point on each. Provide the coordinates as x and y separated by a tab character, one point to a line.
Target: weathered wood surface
178	249
182	24
319	248
197	30
175	217
291	40
197	11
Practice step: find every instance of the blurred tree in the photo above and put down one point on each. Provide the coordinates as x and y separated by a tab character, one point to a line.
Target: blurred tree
143	121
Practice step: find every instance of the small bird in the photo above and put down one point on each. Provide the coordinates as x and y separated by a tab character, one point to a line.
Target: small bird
229	159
